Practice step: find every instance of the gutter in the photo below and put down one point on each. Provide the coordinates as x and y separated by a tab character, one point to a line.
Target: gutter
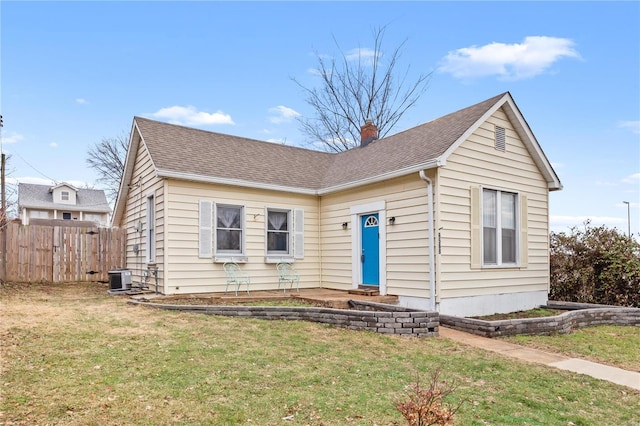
164	173
432	250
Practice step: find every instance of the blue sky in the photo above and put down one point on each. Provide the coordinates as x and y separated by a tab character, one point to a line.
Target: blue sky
73	73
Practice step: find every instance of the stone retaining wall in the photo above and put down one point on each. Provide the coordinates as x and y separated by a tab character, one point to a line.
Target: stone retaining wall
562	323
378	317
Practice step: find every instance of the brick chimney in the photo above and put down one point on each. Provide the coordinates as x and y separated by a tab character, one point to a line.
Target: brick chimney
368	133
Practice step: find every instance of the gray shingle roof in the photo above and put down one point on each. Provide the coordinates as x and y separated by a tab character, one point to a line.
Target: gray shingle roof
198	152
38	196
192	152
197	155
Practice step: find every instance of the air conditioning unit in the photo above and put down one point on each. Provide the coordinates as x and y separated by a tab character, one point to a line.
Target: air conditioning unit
120	280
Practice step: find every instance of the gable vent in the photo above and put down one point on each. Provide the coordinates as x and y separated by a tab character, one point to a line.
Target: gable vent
500	139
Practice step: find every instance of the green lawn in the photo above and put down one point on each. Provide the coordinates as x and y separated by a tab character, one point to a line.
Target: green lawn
616	346
73	355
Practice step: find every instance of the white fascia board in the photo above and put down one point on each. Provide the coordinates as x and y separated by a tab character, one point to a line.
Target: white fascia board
527	136
65	207
297	190
530	141
436	162
473	127
129	163
234	182
61	184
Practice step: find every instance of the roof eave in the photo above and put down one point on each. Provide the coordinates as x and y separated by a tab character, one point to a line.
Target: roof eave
172	174
123	190
70	208
532	144
431	164
523	129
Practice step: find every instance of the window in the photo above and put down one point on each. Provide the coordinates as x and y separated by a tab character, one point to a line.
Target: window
499	227
40	214
93	217
66	216
229	229
278	232
151	230
64	195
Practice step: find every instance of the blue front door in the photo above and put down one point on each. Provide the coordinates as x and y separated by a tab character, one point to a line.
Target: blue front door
370	257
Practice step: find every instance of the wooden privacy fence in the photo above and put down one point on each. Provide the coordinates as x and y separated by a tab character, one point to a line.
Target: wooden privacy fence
31	253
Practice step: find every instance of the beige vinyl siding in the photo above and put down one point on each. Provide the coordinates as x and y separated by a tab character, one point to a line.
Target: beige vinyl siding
189	273
407	240
144	183
477	163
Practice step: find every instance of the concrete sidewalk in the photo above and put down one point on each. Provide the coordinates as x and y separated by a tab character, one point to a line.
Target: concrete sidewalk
599	371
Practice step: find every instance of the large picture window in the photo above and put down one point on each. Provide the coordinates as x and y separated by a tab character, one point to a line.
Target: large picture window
229	229
278	232
499	227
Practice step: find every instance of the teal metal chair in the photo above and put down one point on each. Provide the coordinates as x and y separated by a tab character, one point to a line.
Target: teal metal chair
287	274
236	276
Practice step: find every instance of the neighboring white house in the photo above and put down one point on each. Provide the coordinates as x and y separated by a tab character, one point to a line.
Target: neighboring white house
451	215
62	202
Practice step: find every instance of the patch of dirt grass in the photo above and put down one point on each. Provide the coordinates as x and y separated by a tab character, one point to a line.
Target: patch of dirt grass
532	313
216	301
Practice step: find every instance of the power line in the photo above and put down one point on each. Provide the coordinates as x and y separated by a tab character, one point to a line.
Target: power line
36	170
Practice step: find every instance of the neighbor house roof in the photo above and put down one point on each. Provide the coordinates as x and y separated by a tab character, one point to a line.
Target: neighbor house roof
197	155
41	197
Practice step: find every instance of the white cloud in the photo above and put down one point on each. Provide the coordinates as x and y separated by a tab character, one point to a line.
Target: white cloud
604	183
280	141
190	116
282	114
364	54
82	101
632	179
53	145
80	184
508	61
634	126
34	180
12	138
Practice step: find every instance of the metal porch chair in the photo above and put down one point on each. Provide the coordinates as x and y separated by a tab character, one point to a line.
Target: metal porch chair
236	276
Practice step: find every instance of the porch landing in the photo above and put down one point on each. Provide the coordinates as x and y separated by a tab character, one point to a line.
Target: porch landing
323	296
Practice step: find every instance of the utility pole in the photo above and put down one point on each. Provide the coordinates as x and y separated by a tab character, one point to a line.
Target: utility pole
3	213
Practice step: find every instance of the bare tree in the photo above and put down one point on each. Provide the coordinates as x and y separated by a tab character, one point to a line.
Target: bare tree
107	157
356	88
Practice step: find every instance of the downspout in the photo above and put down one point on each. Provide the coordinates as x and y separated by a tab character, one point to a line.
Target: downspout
320	238
432	249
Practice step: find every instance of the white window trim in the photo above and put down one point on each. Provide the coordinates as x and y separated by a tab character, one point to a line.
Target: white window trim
356	268
221	257
499	264
278	257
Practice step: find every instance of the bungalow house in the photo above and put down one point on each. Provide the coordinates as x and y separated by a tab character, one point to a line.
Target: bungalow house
39	204
451	215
